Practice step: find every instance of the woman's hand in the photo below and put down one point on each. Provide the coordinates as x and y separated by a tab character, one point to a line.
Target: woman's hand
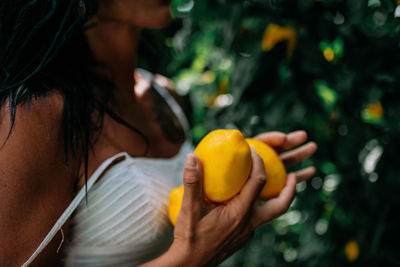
210	233
285	145
206	233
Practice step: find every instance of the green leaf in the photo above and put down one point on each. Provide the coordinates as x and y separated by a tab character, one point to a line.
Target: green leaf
374	3
181	7
327	94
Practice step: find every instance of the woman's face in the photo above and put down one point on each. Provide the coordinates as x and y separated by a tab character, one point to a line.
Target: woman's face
140	13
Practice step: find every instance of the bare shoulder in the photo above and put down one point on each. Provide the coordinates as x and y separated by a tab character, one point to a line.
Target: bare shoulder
36	136
143	84
35	186
165	82
144	79
169	85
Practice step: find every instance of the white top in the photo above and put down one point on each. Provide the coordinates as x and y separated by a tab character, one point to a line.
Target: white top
124	221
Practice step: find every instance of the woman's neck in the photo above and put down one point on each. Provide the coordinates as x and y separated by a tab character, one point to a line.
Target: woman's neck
115	45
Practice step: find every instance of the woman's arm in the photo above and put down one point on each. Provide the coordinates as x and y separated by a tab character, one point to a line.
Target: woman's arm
35	186
206	234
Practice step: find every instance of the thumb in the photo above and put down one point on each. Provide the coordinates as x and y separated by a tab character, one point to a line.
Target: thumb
192	182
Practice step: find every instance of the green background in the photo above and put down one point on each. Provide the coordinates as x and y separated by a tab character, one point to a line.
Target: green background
348	105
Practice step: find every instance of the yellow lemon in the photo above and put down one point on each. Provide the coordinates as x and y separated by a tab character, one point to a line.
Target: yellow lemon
352	250
329	54
226	159
275	34
375	110
274	169
175	203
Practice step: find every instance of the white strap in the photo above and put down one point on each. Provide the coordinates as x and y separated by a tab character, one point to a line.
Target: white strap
72	207
176	108
164	93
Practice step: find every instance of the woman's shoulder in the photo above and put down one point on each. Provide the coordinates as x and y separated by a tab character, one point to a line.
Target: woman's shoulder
33	146
37	126
36	186
165	82
147	78
36	123
49	107
146	81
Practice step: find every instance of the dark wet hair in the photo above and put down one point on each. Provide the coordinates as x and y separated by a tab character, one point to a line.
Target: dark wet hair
43	48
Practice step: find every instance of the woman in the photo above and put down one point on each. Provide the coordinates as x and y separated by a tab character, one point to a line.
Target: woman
69	106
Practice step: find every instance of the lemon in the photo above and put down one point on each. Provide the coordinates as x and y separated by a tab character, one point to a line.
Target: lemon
352	250
226	159
175	203
275	171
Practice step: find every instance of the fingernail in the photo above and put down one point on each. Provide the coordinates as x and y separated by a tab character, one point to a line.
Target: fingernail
314	144
191	161
253	151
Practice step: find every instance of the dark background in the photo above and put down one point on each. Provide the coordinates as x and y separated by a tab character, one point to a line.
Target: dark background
340	83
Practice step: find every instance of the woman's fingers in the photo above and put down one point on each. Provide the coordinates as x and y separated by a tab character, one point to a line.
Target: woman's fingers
293	139
193	184
299	154
305	174
276	206
274	139
254	185
282	142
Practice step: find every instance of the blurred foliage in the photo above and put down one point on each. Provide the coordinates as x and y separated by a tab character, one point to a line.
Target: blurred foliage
330	67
